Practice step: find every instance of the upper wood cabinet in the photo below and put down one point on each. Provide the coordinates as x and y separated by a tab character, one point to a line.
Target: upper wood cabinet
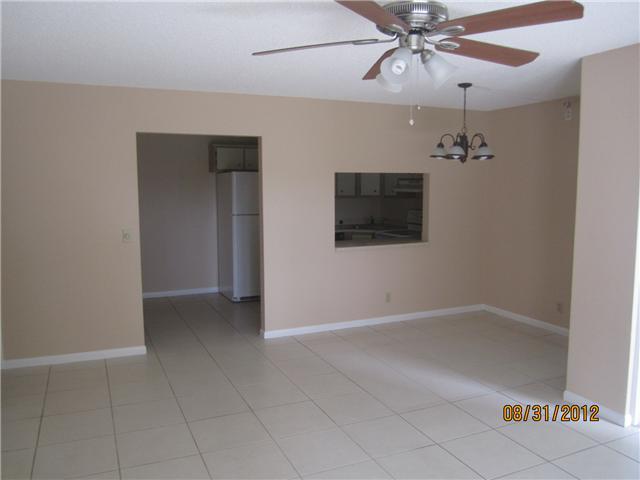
232	157
345	184
369	184
251	159
390	180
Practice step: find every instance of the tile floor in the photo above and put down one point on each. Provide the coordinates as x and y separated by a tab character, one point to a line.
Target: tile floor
419	399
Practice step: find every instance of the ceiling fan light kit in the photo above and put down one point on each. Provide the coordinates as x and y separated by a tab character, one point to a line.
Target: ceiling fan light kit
461	145
418	25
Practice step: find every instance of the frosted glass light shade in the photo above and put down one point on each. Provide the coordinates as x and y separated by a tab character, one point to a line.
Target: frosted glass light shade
483	153
456	152
390	74
439	152
390	87
439	69
400	60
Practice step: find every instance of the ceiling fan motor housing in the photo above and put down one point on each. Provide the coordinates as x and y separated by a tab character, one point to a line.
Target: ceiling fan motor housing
422	16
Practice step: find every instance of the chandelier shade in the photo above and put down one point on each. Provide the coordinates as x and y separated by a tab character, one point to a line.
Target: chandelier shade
439	151
483	153
456	152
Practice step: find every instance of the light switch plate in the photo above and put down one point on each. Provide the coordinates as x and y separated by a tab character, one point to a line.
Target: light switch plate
127	235
568	110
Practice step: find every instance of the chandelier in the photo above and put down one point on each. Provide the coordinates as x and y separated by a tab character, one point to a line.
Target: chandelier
459	149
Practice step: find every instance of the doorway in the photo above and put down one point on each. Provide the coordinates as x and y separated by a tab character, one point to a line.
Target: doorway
185	251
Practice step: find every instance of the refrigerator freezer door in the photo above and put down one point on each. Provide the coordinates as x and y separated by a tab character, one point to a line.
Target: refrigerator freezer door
246	256
246	193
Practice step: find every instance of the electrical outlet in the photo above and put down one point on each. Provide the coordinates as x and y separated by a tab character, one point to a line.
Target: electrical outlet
127	235
387	297
560	307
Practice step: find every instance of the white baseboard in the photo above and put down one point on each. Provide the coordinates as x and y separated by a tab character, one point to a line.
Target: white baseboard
180	293
325	327
528	320
604	412
74	357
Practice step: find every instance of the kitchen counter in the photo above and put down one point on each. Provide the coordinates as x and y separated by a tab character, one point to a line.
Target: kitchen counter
375	241
365	228
356	235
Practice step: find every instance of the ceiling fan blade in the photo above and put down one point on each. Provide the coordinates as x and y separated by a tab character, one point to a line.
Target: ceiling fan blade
364	41
375	68
489	52
521	16
378	15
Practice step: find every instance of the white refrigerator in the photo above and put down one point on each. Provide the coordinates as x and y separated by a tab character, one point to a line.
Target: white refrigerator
238	235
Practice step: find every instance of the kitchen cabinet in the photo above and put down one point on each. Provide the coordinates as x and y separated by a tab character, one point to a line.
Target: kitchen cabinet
228	158
345	184
223	158
369	184
402	184
251	159
390	180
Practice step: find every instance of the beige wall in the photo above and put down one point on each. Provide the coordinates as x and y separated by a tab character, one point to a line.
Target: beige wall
606	230
529	206
69	186
178	234
68	282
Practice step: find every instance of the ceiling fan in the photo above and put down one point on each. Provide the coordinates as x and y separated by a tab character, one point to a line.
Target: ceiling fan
417	25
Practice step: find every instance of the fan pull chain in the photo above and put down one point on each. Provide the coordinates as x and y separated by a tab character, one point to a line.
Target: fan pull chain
412	88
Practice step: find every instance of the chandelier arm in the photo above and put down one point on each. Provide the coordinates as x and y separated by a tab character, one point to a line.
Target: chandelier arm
453	139
477	135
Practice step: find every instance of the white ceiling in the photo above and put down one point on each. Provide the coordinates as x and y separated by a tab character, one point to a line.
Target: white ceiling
207	46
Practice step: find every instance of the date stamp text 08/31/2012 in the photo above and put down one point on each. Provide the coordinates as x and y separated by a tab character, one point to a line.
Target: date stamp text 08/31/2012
550	413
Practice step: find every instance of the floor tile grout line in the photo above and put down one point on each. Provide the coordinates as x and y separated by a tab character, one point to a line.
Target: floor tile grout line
234	387
409	379
443	446
49	371
446	402
539	455
617	451
535	466
309	399
395	413
154	463
350	378
336	425
44	402
584	450
113	421
493	391
193	438
495	429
